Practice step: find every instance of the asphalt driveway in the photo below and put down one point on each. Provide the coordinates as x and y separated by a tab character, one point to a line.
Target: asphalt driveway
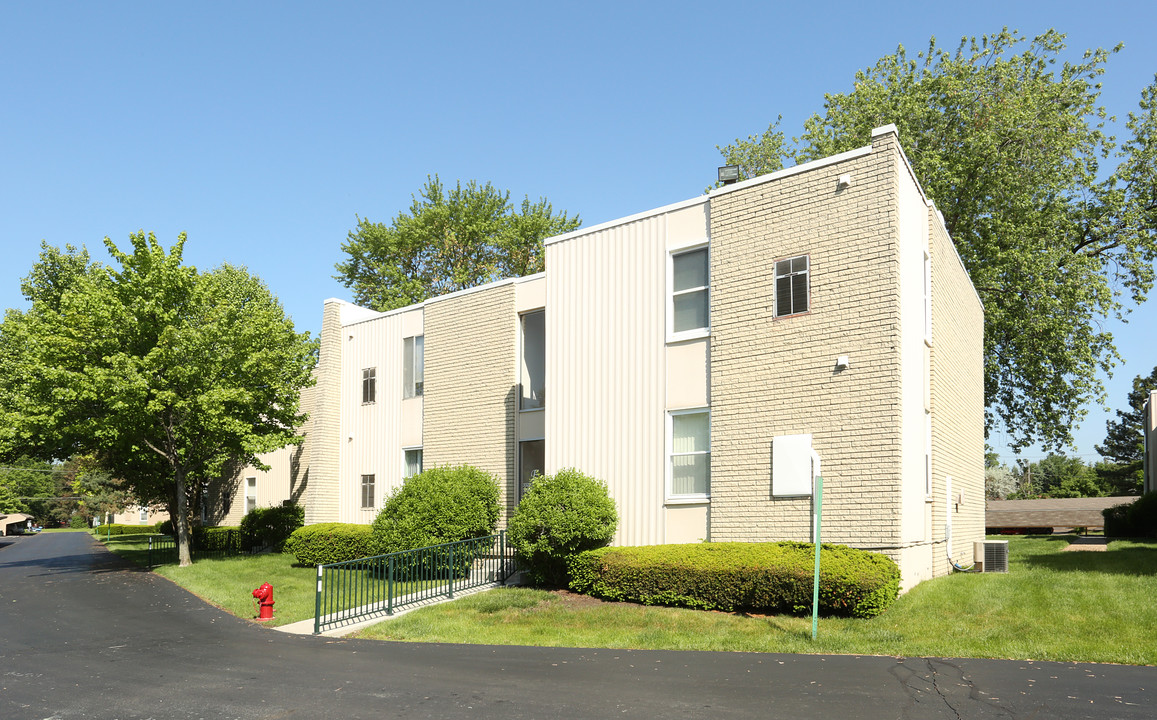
84	636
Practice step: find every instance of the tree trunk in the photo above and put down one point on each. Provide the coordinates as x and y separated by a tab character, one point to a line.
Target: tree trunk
181	521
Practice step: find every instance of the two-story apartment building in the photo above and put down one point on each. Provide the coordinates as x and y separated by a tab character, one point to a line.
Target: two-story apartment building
692	357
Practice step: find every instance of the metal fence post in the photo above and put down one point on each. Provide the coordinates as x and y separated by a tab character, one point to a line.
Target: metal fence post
451	571
317	601
150	552
390	587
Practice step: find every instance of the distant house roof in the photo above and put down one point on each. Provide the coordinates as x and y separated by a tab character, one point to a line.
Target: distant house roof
1050	512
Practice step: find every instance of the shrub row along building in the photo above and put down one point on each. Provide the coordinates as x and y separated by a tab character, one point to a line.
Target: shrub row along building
692	357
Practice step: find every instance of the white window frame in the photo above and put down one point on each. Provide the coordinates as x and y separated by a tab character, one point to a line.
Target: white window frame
406	465
529	440
685	498
372	485
144	515
413	361
775	280
250	498
522	367
369	385
694	333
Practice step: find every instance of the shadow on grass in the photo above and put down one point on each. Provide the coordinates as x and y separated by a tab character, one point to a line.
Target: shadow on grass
1125	561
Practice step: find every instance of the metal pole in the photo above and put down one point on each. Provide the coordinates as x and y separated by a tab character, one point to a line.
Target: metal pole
819	500
317	603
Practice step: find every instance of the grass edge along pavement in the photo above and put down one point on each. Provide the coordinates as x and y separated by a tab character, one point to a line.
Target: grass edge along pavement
1052	605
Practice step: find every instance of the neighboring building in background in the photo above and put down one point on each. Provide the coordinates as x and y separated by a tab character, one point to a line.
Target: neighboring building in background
140	515
1149	418
692	357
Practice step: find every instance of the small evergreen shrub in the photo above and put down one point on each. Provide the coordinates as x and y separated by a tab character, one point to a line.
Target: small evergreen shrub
561	515
76	522
436	506
761	577
1138	519
166	527
271	526
326	543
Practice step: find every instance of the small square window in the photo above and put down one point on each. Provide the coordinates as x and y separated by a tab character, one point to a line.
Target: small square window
791	286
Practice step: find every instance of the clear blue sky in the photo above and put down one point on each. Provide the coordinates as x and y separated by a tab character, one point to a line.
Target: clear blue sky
263	129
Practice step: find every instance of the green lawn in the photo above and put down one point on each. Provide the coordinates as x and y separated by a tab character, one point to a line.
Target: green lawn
1052	605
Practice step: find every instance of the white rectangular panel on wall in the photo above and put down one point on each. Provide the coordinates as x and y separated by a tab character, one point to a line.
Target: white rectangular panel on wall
791	465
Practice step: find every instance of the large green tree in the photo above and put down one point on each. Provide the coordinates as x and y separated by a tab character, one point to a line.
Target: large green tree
168	377
1056	222
1124	445
451	239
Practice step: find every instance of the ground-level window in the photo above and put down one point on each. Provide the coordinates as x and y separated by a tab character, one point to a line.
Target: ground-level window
250	494
689	310
689	440
367	491
369	384
413	462
413	366
531	462
791	286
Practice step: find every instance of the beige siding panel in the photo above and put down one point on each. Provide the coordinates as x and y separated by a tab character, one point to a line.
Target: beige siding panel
372	433
530	294
686	523
322	496
687	371
957	401
471	386
532	425
687	226
913	231
605	383
1150	428
777	376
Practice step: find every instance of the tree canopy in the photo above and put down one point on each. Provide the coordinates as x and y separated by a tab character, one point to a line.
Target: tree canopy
1009	143
169	378
451	239
1124	446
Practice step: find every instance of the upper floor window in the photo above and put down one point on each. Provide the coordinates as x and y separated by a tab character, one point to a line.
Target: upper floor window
791	286
690	293
533	361
413	366
369	384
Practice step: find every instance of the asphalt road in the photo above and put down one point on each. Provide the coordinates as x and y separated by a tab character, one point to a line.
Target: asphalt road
82	636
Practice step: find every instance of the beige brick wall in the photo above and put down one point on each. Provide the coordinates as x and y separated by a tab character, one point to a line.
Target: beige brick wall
774	377
470	386
324	443
957	360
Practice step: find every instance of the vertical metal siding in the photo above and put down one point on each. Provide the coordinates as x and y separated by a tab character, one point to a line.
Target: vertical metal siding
376	428
605	375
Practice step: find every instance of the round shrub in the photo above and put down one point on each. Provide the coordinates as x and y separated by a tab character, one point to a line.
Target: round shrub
326	543
77	522
439	505
166	527
561	515
271	526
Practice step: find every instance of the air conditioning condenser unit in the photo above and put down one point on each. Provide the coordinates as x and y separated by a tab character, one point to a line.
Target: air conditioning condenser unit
991	555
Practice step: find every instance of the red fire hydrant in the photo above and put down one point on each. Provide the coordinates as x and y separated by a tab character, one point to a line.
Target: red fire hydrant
264	595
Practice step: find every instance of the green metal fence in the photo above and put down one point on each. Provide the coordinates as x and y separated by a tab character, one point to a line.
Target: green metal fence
163	548
368	587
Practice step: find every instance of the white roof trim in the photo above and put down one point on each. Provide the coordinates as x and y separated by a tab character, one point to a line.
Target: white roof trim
424	303
628	219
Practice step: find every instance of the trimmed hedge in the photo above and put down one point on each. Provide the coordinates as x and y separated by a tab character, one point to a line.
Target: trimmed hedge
325	543
762	577
1137	519
220	539
123	529
271	526
561	515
